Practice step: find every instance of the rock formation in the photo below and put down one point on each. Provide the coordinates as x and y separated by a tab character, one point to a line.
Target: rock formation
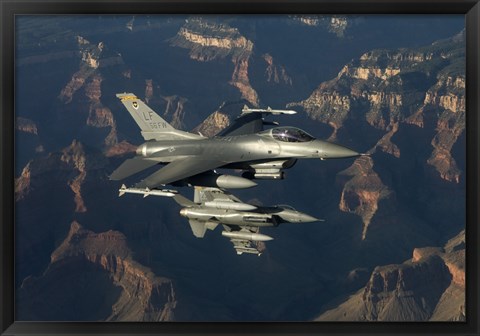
71	165
429	286
362	194
132	290
89	77
405	106
26	125
274	73
334	24
213	124
208	41
389	89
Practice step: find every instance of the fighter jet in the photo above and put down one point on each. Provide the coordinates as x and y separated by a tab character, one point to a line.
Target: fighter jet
191	159
241	221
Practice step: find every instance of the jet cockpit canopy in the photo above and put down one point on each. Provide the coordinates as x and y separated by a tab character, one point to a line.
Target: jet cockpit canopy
289	134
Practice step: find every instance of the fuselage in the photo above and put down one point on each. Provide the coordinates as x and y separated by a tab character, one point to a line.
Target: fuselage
243	148
263	216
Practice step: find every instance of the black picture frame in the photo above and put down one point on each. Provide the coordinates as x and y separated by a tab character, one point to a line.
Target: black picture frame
10	8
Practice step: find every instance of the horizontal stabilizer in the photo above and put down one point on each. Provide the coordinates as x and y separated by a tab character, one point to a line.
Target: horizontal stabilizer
183	201
130	167
198	228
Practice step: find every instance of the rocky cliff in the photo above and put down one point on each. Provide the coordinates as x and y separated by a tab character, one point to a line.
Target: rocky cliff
88	98
387	89
26	125
88	78
276	73
92	57
363	192
335	24
407	107
60	181
208	40
429	286
213	124
28	138
126	290
71	166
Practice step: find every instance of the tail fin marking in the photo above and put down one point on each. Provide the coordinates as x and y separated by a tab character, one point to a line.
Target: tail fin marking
151	124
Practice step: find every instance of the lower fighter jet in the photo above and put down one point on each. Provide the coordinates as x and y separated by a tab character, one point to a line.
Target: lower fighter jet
241	221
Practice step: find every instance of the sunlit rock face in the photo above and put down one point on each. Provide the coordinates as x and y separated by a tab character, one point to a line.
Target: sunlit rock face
431	284
390	88
134	292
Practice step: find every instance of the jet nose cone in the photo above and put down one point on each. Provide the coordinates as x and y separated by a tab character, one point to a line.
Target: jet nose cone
304	218
334	151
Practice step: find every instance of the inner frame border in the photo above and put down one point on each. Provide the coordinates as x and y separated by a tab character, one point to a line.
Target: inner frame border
10	8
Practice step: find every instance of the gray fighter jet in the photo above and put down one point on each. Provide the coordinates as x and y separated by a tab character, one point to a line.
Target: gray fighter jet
241	221
191	159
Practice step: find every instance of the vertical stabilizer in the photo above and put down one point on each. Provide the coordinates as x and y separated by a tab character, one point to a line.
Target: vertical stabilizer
153	126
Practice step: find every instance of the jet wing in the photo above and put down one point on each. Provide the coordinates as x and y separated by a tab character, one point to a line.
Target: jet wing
251	121
245	124
130	167
220	199
178	170
207	194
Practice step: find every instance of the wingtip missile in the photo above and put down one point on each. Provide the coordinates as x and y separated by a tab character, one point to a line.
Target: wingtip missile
146	192
246	109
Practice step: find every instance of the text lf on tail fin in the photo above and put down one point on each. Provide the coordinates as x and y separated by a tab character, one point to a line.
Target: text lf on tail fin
152	126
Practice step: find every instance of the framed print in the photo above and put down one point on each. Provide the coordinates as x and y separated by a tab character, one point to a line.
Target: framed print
231	167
